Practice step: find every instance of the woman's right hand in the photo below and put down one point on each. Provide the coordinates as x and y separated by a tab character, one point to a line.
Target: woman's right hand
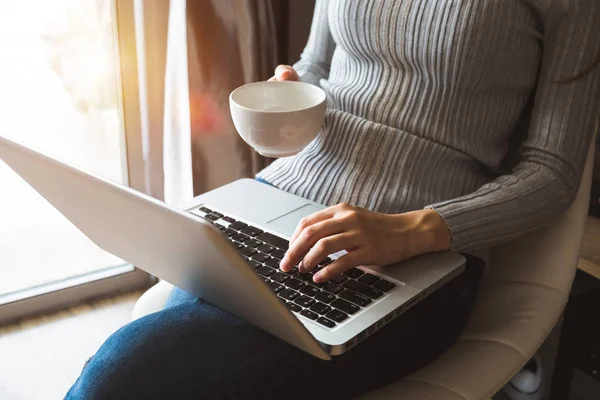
285	73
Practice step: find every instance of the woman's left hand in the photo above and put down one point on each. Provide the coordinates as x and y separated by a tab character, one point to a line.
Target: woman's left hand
369	238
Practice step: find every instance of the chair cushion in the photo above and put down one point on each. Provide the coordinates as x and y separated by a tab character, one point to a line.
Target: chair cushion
467	378
153	300
518	315
508	323
413	389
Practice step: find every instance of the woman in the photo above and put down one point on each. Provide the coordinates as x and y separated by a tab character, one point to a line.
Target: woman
425	98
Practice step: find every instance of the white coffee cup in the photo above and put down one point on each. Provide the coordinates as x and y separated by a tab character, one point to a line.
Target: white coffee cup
278	119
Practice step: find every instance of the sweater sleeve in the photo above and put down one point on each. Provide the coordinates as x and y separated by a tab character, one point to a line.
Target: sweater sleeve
546	178
315	60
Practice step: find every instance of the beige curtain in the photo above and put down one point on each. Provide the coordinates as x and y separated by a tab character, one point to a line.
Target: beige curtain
229	43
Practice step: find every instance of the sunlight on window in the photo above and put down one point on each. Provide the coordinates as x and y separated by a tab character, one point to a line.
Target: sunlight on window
58	74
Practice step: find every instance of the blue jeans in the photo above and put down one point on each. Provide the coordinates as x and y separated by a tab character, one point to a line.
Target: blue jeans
194	350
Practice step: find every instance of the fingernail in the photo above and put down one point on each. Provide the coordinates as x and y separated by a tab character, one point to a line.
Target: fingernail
285	74
318	277
287	264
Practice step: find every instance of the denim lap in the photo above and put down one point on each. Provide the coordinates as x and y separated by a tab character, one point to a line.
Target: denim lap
178	297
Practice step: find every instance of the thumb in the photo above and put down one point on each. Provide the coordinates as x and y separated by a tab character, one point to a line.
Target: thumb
283	71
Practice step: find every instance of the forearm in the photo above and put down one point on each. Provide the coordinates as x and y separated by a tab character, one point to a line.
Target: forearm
546	179
510	206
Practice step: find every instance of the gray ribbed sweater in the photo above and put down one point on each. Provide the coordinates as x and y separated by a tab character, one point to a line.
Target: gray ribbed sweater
424	98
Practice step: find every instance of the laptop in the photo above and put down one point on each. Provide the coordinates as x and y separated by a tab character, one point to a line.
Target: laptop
225	245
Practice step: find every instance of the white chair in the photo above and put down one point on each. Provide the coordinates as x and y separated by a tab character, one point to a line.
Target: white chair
521	297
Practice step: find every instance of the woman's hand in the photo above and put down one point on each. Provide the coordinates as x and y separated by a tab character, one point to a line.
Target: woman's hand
285	73
369	238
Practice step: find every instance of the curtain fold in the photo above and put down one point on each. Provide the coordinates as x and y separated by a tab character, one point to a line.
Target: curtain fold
259	50
214	46
177	153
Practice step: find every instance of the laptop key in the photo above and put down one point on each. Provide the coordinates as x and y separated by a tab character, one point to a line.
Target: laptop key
205	210
294	307
325	297
333	287
355	298
253	243
327	322
247	251
221	227
255	264
345	306
251	231
266	248
230	232
240	237
217	214
384	285
303	276
228	219
339	279
289	294
276	287
280	277
238	225
294	284
274	240
363	289
238	246
278	254
353	273
304	301
260	257
272	262
265	271
321	308
310	290
211	217
309	314
336	315
368	279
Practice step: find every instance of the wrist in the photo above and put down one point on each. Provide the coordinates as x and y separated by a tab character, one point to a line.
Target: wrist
436	229
425	230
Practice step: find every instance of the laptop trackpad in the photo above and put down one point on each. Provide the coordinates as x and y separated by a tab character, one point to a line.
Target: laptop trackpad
287	223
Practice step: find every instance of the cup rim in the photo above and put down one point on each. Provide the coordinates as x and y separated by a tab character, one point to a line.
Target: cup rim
318	89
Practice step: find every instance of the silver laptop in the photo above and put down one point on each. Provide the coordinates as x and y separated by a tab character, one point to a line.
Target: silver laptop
225	247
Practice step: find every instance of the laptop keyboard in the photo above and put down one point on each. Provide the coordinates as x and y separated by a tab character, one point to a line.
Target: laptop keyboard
329	304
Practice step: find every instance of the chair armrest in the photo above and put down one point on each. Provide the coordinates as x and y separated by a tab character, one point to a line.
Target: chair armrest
153	300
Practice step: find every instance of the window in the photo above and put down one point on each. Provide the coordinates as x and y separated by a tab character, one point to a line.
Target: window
60	74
